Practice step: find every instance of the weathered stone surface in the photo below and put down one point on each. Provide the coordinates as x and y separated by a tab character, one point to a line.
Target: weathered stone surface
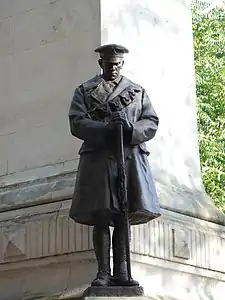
46	230
14	244
104	298
42	62
42	185
13	7
45	246
40	232
181	244
3	154
116	298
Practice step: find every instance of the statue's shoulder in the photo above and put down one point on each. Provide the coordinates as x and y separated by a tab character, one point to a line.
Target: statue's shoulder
131	83
91	83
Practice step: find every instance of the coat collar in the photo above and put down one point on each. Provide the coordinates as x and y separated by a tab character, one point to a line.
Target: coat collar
96	89
123	84
92	83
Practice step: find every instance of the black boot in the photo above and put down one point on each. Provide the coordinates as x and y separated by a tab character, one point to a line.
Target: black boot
101	242
120	274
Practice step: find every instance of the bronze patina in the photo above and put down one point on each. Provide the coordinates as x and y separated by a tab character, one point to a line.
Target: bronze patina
97	107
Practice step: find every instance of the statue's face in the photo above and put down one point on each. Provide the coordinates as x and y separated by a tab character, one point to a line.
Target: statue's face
111	68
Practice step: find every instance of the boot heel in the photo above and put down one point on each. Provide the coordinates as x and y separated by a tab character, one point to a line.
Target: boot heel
102	279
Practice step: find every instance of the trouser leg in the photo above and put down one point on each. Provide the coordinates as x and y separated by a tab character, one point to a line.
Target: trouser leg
101	243
120	274
119	250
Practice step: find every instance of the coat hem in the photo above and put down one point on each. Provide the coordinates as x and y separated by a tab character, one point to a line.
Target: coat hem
136	218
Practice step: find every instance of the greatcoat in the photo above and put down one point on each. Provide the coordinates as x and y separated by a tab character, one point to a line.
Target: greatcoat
96	187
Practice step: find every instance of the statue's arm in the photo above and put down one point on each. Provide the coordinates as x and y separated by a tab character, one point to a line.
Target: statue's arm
81	124
145	128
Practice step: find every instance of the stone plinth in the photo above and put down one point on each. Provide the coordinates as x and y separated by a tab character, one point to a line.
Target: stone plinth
106	298
114	291
176	257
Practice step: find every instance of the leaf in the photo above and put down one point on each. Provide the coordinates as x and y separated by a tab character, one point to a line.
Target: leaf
209	53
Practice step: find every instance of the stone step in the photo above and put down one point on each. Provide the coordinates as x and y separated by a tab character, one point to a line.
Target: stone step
106	298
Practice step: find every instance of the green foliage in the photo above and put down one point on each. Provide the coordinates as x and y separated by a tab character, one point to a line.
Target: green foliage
209	47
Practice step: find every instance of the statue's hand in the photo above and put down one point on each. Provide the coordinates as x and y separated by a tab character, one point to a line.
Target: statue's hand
121	117
118	118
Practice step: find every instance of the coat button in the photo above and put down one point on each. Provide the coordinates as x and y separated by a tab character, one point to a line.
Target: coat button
129	157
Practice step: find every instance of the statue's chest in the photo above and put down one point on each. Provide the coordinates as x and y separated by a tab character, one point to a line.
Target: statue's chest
101	103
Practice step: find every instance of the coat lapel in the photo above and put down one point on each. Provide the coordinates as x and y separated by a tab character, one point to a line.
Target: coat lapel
124	83
99	93
97	90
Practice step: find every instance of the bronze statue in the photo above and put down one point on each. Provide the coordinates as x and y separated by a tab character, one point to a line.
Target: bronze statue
97	107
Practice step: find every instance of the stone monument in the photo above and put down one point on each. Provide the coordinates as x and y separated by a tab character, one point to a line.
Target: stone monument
44	54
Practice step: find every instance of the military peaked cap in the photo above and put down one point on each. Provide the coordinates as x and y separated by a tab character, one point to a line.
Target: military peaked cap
111	51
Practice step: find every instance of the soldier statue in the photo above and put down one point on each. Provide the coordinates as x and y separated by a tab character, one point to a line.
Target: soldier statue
96	108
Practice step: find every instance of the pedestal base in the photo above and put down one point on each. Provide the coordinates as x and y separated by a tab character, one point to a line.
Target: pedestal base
114	291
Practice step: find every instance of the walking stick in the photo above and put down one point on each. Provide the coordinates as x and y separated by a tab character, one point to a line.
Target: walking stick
123	194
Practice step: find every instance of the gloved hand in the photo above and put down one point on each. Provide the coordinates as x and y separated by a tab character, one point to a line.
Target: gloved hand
111	132
121	117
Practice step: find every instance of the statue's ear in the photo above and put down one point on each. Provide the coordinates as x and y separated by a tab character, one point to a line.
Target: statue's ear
100	63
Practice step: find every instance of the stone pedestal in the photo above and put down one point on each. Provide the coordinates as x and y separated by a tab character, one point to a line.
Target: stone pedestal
113	291
46	50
